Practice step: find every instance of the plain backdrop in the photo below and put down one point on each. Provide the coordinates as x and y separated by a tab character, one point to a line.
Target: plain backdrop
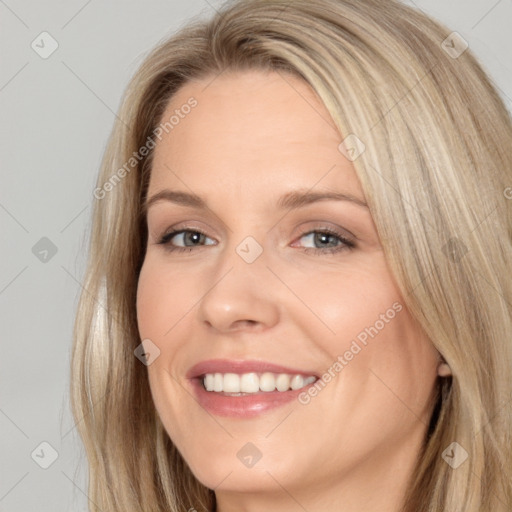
56	113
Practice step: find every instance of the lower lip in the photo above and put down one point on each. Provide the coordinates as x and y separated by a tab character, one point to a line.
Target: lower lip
245	406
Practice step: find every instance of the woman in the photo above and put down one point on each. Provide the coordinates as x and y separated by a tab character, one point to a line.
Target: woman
223	362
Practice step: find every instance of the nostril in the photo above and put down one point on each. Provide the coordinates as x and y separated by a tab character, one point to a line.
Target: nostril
243	323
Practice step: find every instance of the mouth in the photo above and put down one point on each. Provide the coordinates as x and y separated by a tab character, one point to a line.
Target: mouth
245	389
251	383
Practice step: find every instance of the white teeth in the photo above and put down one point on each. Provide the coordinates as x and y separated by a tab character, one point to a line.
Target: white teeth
254	382
218	382
297	382
283	382
249	383
267	382
231	383
209	382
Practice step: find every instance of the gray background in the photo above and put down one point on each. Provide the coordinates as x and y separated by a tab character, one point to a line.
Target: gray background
56	115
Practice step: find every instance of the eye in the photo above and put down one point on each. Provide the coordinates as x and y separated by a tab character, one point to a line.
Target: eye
327	240
183	237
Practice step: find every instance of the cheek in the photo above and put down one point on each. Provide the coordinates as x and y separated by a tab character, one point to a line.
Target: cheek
378	352
352	302
161	304
163	299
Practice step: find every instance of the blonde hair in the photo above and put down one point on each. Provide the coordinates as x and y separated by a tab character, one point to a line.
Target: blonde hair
436	171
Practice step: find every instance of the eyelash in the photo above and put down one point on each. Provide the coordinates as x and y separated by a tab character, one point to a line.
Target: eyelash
346	243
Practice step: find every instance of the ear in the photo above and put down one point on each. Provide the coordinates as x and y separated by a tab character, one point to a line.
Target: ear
444	370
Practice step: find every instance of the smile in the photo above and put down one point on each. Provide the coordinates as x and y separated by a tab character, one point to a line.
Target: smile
246	388
250	383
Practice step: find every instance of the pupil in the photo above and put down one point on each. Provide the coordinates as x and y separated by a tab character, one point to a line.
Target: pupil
323	237
194	237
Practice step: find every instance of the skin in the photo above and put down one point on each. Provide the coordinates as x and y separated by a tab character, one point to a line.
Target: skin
253	137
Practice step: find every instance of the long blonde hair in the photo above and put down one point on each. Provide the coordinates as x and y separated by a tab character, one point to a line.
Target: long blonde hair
436	169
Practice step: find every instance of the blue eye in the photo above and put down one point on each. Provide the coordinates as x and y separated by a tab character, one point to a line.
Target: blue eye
185	235
324	238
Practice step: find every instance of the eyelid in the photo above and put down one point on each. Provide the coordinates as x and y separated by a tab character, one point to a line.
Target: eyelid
171	233
347	242
319	225
181	226
346	239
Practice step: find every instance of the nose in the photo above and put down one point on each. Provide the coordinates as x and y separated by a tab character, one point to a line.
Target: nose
239	296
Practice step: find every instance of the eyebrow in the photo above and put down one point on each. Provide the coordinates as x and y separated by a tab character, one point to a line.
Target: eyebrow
290	200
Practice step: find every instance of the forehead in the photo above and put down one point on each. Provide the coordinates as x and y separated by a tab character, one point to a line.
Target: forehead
250	127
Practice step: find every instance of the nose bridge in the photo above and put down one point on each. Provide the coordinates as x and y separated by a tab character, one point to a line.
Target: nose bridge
240	289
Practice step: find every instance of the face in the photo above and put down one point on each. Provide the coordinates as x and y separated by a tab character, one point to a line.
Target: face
256	281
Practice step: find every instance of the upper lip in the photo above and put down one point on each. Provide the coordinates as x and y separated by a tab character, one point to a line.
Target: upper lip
240	367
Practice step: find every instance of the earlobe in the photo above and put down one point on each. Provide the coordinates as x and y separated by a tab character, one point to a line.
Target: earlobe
444	370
